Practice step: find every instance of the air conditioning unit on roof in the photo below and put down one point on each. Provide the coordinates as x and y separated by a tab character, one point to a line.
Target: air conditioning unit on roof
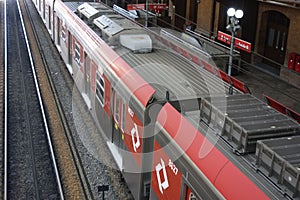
87	11
138	43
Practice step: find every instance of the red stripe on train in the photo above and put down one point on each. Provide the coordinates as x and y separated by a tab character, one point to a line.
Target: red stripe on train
226	177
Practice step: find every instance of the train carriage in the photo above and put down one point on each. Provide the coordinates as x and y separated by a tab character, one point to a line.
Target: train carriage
172	127
204	151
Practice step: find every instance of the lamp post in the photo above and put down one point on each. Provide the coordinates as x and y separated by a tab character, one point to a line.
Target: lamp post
233	27
146	20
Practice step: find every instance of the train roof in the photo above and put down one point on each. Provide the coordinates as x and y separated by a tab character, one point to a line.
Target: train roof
143	49
168	71
205	149
263	137
242	121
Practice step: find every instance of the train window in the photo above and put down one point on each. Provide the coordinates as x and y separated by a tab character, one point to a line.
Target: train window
63	33
147	188
58	31
123	116
117	108
100	88
49	17
77	53
190	195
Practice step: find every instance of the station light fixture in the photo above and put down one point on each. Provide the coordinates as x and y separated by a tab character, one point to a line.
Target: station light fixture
233	27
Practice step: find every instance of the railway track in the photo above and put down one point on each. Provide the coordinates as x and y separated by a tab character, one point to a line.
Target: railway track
83	177
1	93
97	169
30	169
75	183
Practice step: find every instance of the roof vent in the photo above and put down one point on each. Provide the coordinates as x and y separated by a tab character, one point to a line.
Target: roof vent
124	12
88	11
108	26
138	43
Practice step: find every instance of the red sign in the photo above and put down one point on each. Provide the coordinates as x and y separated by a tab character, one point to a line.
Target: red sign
140	6
224	37
151	6
157	6
238	43
243	45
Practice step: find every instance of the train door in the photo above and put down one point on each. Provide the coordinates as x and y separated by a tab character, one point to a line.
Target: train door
69	48
117	136
118	112
44	10
53	25
86	82
49	18
58	31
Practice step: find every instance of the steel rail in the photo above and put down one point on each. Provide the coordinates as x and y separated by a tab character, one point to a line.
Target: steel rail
71	141
5	104
41	106
40	103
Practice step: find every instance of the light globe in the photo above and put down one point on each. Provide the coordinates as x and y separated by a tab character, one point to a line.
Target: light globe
231	12
239	14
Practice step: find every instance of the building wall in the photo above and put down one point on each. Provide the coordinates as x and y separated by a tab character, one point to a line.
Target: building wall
188	3
293	41
205	14
210	19
212	16
180	12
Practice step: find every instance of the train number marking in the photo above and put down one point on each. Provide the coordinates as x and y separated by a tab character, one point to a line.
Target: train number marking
162	185
134	132
192	196
131	113
173	167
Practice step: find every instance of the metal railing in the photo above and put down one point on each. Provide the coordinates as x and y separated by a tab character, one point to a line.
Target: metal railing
290	3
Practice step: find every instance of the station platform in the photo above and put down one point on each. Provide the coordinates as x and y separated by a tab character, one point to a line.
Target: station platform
281	85
262	82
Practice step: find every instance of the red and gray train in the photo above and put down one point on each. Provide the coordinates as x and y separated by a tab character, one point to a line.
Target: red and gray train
172	127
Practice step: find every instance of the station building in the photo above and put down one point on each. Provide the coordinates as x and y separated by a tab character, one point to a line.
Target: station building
272	27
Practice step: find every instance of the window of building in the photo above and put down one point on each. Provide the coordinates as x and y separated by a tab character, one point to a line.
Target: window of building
271	37
100	88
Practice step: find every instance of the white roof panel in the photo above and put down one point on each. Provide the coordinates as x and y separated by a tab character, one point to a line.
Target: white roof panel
87	10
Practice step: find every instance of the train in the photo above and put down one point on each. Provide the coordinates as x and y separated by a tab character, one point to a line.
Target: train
175	130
